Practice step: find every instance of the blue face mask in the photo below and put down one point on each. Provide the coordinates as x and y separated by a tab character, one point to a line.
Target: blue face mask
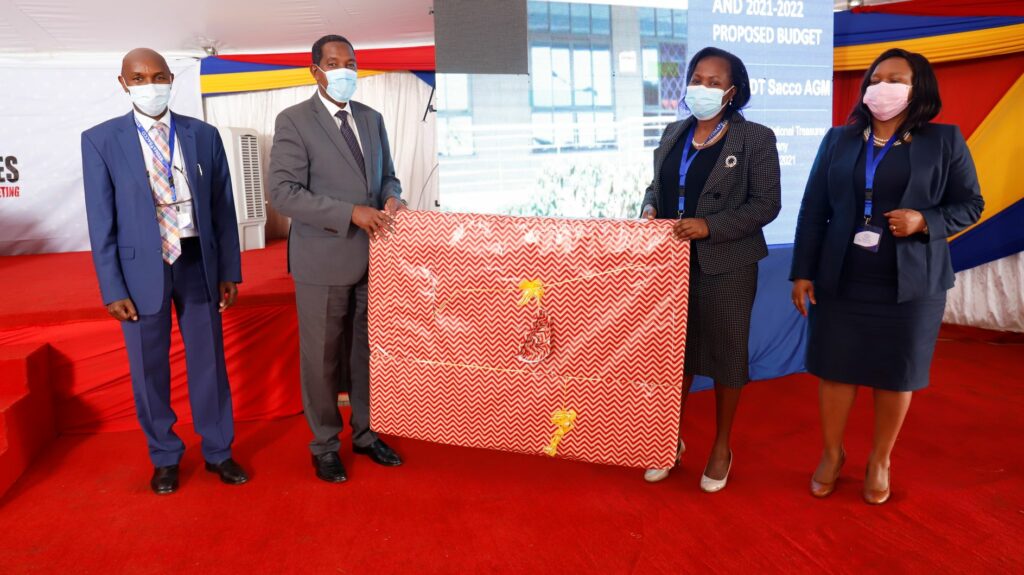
704	103
341	83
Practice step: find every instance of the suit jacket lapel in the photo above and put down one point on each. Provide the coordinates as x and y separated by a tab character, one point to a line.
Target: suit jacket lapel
128	136
366	140
331	128
187	148
848	148
733	147
666	147
923	151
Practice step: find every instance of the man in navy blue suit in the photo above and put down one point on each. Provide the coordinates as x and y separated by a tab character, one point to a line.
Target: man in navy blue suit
163	232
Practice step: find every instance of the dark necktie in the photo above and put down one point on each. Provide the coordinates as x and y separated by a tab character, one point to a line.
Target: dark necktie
350	139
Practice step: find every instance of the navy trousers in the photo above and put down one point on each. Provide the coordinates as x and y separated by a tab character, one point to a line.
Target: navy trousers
149	342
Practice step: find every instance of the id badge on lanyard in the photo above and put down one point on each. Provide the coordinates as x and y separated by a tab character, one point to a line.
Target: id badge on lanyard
687	160
868	236
156	152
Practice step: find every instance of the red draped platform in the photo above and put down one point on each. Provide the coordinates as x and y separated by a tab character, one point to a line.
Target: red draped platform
54	299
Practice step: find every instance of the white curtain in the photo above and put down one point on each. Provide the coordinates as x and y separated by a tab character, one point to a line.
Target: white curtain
989	296
400	97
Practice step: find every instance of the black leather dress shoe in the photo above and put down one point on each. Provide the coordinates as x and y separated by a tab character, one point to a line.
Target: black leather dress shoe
380	453
165	480
229	470
329	468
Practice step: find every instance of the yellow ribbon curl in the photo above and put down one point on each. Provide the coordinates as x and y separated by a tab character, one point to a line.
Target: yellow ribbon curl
564	420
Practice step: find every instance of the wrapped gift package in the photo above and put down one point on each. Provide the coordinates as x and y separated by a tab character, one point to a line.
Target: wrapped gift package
562	338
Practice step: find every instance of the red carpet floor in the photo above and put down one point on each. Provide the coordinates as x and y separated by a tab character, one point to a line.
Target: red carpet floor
958	504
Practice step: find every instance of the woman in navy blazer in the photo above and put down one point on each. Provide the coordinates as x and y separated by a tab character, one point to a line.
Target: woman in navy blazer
871	255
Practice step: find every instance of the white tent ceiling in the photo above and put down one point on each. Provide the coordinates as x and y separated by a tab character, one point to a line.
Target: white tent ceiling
187	26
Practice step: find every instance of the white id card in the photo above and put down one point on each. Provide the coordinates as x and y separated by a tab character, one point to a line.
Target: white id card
868	237
185	216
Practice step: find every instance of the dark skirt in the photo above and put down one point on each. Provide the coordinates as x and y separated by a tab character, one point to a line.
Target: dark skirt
718	324
879	344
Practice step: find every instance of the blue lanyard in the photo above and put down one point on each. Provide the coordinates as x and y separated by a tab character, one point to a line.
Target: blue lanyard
687	160
870	166
156	152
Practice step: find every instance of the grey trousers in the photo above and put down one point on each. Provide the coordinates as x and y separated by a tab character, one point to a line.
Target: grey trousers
334	349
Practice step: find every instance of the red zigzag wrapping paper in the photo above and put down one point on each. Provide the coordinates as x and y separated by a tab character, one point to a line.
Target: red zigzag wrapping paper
533	335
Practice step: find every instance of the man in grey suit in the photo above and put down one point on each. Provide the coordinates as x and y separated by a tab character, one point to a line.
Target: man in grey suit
331	172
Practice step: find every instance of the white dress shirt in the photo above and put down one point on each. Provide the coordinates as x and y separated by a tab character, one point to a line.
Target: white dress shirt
333	109
186	217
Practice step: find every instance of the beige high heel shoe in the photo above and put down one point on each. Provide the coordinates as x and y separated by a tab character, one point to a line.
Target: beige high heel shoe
656	475
708	485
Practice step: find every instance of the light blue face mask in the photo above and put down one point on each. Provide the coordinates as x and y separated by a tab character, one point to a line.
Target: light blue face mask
341	83
704	103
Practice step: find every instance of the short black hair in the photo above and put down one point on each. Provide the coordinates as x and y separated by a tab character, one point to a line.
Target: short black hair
737	71
925	103
318	46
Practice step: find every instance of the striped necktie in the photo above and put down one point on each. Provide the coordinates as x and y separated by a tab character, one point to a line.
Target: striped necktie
160	180
350	139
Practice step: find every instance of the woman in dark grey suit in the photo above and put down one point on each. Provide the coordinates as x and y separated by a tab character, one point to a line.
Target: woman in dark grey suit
883	196
718	174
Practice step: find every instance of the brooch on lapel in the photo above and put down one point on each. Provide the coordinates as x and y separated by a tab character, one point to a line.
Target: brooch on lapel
730	162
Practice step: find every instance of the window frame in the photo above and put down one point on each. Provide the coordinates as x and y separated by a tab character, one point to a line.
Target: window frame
576	42
444	114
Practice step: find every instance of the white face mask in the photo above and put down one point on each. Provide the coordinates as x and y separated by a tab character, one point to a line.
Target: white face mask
150	99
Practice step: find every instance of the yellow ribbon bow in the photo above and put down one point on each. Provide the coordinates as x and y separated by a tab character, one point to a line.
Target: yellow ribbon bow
532	290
